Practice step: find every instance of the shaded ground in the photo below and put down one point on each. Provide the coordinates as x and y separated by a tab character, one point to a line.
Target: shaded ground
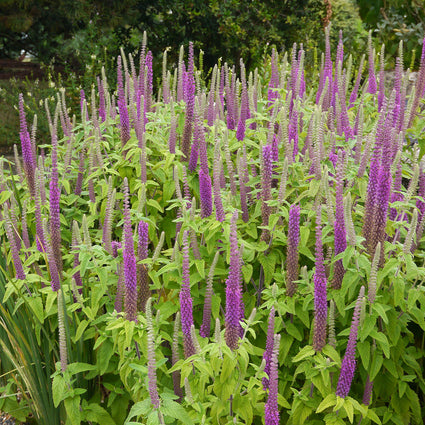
10	68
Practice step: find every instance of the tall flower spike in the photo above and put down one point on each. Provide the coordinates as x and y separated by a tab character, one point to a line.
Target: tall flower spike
292	250
175	357
54	273
219	211
63	352
234	303
153	389
109	217
271	408
268	353
206	318
340	232
55	225
243	179
348	365
320	294
266	181
372	79
20	274
143	290
129	261
75	248
186	301
27	152
190	104
244	113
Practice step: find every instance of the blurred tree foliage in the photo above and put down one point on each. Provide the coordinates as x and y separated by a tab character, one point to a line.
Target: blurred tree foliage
73	32
393	21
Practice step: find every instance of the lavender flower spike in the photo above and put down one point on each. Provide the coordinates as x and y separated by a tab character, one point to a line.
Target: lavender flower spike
292	251
271	408
268	353
186	301
234	304
27	152
20	274
348	365
129	261
320	301
153	389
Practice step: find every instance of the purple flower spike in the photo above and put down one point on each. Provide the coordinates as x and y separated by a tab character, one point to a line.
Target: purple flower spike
20	274
268	353
271	408
205	193
143	289
340	232
55	225
186	309
320	296
129	261
348	365
372	79
190	105
266	182
27	152
234	304
292	251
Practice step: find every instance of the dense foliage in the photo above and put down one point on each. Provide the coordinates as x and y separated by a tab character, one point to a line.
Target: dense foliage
243	250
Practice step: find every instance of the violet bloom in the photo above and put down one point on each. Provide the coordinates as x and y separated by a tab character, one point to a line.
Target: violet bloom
190	105
320	295
129	261
340	232
144	292
205	193
272	93
234	304
371	79
20	274
348	365
55	232
292	250
27	151
266	182
271	408
268	353
244	114
122	106
186	309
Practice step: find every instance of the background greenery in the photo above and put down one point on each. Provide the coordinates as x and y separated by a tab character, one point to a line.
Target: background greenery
74	39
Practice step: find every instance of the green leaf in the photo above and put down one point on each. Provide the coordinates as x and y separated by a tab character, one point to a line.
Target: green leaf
307	351
141	408
269	263
72	407
373	416
328	401
74	368
364	351
81	328
176	410
247	272
227	368
329	351
59	389
348	407
37	307
155	204
375	366
95	413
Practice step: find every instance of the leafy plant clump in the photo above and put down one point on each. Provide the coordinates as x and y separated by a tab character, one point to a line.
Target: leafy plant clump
241	250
